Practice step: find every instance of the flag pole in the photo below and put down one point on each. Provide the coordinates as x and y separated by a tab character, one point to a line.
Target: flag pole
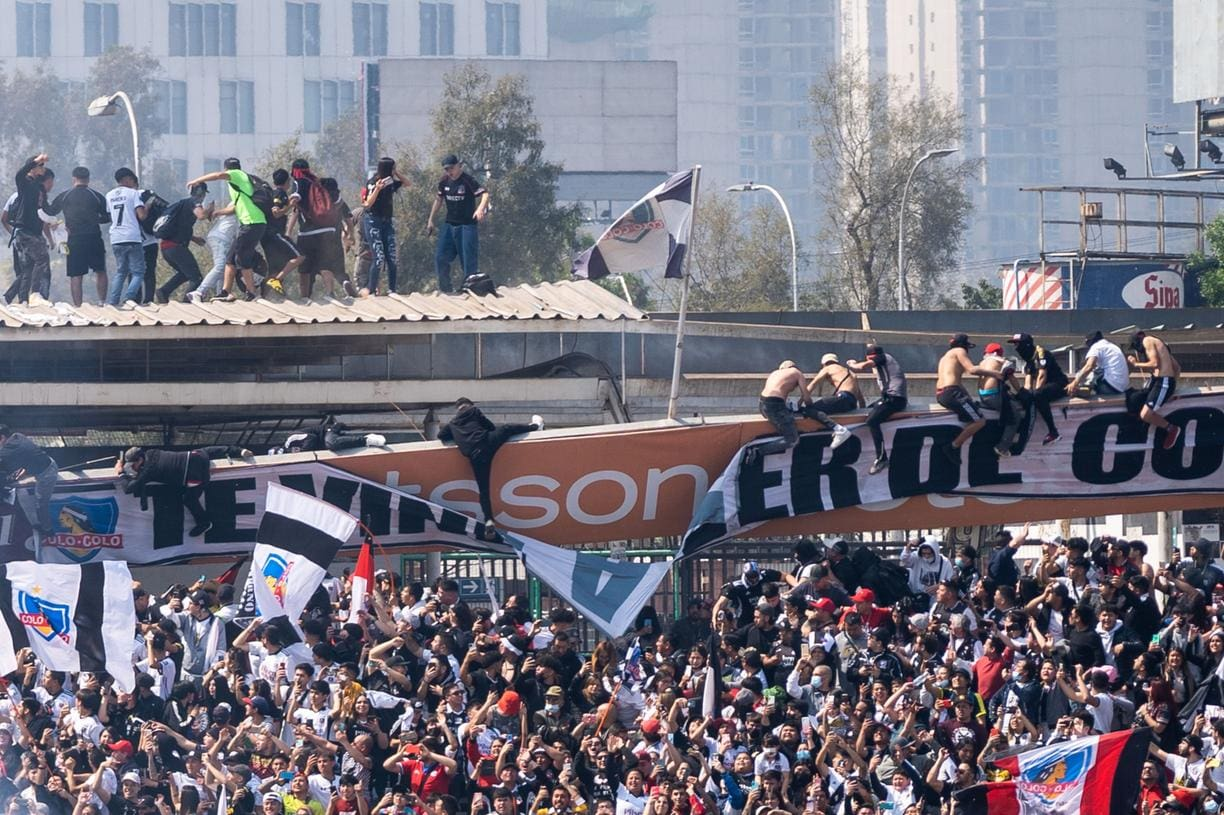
674	396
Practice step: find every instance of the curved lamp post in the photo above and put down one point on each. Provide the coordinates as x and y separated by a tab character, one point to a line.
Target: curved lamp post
749	186
902	289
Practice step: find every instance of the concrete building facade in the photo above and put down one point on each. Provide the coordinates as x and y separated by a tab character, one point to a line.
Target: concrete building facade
243	75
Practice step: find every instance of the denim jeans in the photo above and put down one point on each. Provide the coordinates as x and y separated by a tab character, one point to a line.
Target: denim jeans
456	241
129	271
219	243
380	235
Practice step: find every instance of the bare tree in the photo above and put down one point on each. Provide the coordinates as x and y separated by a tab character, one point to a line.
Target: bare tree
867	134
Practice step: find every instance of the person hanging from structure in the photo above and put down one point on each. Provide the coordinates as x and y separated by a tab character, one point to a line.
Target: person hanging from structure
188	471
478	439
21	458
778	386
951	394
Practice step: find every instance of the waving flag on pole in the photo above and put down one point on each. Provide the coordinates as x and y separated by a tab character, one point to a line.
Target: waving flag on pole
363	579
74	617
1089	776
297	540
651	237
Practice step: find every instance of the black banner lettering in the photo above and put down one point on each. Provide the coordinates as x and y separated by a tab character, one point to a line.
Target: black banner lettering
1088	449
809	471
1207	453
905	470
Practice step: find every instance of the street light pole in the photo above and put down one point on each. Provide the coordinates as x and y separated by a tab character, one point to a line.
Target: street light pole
902	289
105	106
750	186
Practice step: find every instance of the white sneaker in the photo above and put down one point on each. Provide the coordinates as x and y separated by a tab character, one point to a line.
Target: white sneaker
375	440
840	434
538	421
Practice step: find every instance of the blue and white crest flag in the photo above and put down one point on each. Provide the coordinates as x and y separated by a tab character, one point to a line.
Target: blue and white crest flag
651	237
73	617
297	541
607	592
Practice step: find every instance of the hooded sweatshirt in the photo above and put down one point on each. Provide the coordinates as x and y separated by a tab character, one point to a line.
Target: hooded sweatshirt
924	574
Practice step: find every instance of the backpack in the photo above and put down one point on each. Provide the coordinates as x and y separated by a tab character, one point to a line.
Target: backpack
888	579
319	206
479	284
155	209
261	195
165	225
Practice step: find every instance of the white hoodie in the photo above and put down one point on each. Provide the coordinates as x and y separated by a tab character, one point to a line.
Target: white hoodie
924	575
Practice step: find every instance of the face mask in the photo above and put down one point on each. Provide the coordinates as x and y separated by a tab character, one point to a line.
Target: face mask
771	754
551	708
816	681
929	558
803	755
961	563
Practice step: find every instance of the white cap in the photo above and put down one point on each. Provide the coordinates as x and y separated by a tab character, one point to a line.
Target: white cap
132	776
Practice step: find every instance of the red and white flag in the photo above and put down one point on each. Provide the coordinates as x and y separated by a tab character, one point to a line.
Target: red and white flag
1095	775
363	580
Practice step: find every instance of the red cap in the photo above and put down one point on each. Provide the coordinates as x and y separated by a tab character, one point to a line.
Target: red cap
650	726
825	604
509	703
863	595
121	746
994	348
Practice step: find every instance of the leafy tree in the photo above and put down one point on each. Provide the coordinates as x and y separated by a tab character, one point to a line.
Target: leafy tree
741	261
640	291
491	125
281	155
1205	270
981	295
32	123
871	133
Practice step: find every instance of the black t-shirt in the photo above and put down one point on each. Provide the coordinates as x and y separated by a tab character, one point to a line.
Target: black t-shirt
183	221
280	200
460	196
1043	360
380	207
84	210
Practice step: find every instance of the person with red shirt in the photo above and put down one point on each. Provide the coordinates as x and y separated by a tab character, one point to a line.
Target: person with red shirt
989	671
428	773
864	603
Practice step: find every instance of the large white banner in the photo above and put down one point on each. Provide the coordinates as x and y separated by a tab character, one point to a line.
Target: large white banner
1104	452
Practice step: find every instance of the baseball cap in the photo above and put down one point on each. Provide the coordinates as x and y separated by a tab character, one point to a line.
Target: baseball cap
201	598
132	776
827	358
259	703
553	692
650	726
960	340
509	703
1021	339
121	746
863	595
994	348
1092	337
450	160
825	604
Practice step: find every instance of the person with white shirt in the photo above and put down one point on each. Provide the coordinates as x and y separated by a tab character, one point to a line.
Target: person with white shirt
1107	359
158	664
219	239
127	211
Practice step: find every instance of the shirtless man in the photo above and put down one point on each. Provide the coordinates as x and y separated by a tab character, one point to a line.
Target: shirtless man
778	386
1151	354
949	392
1000	395
846	394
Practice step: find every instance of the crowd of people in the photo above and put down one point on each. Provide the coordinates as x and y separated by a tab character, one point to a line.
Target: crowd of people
828	695
1018	390
258	232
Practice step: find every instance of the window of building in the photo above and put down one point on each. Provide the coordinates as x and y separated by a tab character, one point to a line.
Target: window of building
324	101
171	95
302	29
101	27
203	30
33	29
502	29
237	106
437	29
369	29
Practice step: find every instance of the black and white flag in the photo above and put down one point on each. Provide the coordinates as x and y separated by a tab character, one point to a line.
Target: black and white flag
297	541
651	237
73	617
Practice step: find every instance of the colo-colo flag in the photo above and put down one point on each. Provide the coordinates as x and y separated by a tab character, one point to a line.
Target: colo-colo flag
73	617
1096	775
297	540
650	237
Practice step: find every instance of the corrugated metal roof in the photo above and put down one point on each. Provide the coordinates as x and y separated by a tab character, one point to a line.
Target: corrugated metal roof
565	300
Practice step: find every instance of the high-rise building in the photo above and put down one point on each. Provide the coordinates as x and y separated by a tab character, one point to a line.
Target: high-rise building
239	76
1048	89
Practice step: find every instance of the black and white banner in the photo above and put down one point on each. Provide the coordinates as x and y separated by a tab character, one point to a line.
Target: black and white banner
74	618
299	537
1104	452
651	237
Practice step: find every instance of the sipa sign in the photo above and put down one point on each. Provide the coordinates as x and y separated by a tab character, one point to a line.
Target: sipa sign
1130	284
